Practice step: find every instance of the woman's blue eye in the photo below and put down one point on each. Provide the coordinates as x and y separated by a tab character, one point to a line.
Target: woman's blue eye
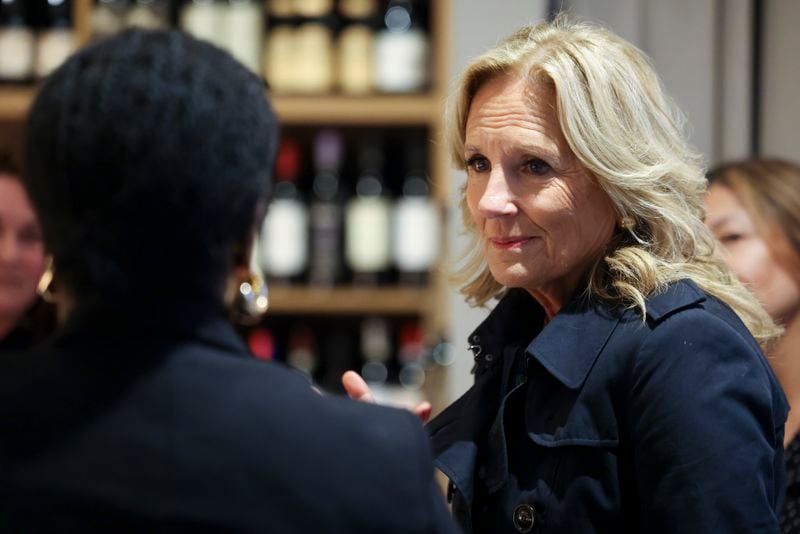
478	164
537	167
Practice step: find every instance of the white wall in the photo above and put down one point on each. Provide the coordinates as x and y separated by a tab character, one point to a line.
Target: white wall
701	50
780	104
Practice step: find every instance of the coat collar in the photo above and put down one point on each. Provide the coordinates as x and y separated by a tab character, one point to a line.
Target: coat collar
570	344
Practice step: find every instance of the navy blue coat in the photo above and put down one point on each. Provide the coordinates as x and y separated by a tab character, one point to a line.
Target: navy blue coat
600	422
160	421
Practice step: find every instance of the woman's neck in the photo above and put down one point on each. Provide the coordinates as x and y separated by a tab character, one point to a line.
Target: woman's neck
786	363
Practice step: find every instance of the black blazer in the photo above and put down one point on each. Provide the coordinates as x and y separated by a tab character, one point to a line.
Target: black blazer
161	421
602	422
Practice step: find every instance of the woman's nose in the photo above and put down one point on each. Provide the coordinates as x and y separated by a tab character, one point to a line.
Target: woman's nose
497	199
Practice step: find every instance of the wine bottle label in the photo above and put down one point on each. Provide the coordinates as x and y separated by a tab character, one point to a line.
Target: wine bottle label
17	46
279	59
203	21
401	61
53	48
415	236
283	249
244	31
367	234
356	73
314	58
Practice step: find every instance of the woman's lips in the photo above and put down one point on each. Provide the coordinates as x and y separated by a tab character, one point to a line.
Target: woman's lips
505	243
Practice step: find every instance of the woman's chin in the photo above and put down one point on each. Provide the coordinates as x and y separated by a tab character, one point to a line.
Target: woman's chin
512	276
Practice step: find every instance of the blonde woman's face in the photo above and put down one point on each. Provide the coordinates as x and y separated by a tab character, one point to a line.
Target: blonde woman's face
21	249
542	217
749	256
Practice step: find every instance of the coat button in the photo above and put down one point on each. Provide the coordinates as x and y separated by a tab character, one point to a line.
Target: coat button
524	517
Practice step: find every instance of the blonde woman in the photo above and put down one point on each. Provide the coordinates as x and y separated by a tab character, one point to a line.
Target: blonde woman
619	384
754	211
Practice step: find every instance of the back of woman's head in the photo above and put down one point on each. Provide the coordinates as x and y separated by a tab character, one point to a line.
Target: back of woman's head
769	189
622	128
146	157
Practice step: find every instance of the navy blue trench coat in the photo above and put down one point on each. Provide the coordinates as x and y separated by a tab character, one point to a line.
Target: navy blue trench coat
600	422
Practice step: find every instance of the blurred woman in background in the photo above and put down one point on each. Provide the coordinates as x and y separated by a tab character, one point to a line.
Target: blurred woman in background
23	317
754	211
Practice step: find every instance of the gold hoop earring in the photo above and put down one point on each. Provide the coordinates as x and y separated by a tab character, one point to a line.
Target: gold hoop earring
44	287
248	299
254	295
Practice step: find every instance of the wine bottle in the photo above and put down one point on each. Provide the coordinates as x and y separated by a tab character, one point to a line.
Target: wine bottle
313	42
244	31
326	211
415	222
17	42
410	355
376	350
367	220
356	46
284	235
280	57
56	41
202	19
301	351
401	49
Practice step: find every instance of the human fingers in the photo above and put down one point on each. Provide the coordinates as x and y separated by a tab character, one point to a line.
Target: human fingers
356	388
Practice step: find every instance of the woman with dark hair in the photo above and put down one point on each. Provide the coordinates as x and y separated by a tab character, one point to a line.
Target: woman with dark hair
24	318
754	211
149	158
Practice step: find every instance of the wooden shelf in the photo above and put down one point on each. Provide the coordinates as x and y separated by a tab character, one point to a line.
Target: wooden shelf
348	301
312	110
352	110
15	101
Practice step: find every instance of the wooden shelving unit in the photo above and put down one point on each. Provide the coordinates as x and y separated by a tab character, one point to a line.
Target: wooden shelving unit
306	110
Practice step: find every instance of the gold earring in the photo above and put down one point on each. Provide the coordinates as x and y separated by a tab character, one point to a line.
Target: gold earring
626	223
254	295
43	288
248	299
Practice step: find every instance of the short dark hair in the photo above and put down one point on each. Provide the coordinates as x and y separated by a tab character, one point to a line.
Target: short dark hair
146	157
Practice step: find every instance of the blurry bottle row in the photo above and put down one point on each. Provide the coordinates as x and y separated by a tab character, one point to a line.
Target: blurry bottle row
388	353
300	46
360	212
35	37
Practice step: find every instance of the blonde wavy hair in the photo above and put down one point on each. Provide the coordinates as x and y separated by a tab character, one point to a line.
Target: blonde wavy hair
622	128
